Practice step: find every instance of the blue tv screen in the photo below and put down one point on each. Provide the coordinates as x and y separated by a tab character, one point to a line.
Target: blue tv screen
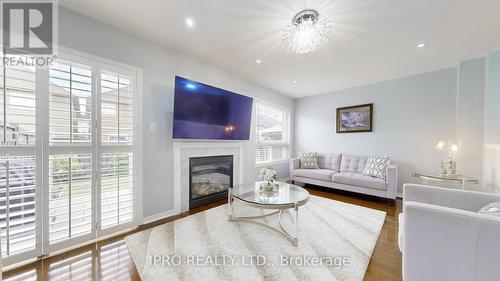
205	112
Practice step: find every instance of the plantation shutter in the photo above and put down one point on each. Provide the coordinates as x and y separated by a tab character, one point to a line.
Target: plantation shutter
116	109
67	163
272	133
70	196
70	199
18	215
17	204
116	166
17	106
70	104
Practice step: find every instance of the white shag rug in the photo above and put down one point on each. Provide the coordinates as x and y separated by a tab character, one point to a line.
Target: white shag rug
336	241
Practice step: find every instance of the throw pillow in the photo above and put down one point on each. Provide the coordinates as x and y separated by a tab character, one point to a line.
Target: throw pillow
309	160
377	166
491	209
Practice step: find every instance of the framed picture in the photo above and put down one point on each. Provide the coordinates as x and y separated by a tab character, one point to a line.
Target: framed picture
355	119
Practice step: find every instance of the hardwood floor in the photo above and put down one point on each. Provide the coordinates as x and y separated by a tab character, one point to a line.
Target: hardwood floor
109	259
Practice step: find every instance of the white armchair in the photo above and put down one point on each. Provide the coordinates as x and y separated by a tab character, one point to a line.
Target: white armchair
443	237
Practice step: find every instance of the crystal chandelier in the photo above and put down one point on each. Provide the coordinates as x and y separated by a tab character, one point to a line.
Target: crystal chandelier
306	33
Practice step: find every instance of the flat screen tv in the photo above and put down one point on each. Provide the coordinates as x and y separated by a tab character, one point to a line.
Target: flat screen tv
205	112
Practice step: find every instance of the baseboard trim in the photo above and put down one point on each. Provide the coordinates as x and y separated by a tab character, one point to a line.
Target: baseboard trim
159	216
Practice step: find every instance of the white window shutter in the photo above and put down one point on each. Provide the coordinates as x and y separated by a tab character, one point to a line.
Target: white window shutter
17	205
272	133
70	196
17	106
70	103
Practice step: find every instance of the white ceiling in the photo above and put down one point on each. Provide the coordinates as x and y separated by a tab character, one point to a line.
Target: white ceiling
371	40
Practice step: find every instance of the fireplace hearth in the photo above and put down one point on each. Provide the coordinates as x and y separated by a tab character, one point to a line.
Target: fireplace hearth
209	179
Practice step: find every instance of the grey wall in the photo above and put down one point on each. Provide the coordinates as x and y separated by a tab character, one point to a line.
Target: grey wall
492	100
159	65
491	162
470	116
410	116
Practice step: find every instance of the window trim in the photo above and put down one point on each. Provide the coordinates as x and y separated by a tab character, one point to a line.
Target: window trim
288	142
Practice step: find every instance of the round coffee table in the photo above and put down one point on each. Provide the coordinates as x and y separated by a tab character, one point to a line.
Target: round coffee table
287	196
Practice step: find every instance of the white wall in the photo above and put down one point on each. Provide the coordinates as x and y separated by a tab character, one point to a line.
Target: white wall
411	115
159	66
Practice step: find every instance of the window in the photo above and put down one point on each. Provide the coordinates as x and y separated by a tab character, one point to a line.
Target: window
272	129
108	108
18	161
116	189
70	99
70	196
17	106
116	180
116	108
70	200
17	204
67	163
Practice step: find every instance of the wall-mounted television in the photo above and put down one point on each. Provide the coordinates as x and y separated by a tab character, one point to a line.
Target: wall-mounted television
206	112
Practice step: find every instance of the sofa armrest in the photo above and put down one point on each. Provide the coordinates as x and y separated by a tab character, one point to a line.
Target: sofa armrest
392	181
447	197
441	243
294	165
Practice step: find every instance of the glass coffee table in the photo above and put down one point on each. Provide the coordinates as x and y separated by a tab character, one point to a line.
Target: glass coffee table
287	196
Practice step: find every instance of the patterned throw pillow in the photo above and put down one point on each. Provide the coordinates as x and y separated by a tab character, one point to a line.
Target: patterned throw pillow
309	160
377	167
491	209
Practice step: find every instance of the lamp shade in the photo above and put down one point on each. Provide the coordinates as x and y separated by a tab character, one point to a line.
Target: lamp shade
440	145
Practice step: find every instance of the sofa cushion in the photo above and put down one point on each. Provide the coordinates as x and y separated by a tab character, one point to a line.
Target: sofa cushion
353	163
330	161
309	160
359	180
377	167
491	209
318	174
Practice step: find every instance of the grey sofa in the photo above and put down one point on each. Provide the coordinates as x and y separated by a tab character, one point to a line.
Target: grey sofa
343	171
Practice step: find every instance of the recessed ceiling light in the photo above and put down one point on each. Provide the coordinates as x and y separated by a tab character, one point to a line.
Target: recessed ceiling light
190	22
421	45
294	81
259	61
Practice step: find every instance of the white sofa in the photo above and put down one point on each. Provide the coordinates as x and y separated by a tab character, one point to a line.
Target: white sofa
343	171
443	237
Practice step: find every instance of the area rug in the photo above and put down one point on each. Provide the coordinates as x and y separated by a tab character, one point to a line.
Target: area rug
336	241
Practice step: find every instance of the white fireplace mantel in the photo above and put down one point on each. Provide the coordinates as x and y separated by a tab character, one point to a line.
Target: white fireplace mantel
185	150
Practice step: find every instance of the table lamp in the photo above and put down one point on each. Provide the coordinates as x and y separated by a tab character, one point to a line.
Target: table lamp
449	163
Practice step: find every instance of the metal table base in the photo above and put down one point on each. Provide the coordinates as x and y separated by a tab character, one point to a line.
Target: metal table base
254	219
